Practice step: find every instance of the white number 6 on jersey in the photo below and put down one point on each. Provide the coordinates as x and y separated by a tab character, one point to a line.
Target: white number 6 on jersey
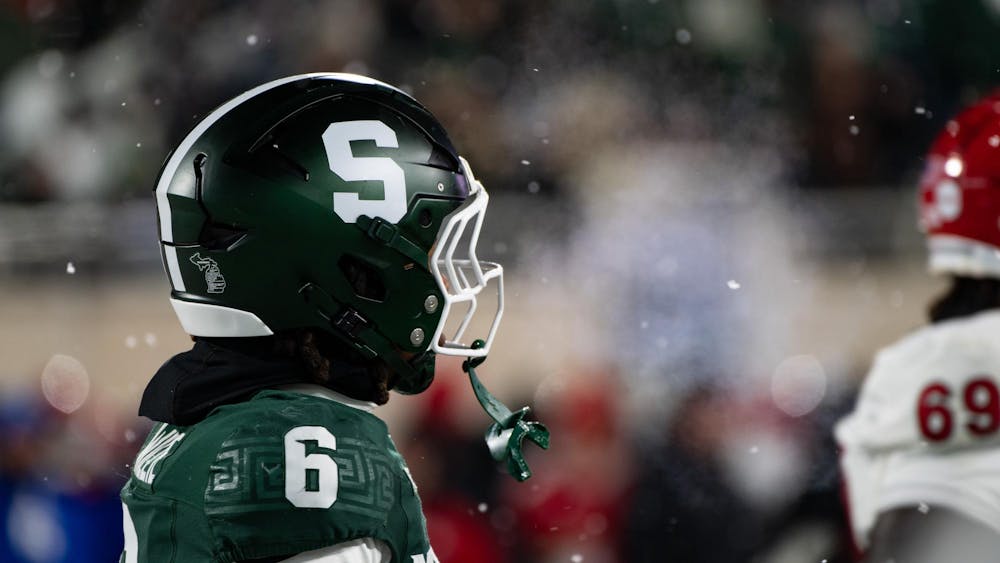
348	206
299	463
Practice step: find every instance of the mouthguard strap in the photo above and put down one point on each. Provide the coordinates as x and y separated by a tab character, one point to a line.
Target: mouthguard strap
505	436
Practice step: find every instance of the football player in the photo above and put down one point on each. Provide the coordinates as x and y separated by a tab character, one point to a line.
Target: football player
921	451
319	233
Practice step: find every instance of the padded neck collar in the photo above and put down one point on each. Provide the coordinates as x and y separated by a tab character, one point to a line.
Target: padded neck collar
215	372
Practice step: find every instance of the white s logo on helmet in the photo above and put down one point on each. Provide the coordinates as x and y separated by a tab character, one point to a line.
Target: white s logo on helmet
349	206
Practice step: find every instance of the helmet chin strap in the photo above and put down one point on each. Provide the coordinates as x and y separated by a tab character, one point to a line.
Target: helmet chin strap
414	375
505	435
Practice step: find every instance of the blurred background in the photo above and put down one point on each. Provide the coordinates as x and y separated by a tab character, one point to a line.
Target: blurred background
705	207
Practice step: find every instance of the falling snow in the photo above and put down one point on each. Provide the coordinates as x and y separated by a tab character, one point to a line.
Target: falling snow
65	383
798	385
589	166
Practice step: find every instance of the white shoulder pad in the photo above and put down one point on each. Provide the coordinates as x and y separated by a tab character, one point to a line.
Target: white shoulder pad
926	424
937	367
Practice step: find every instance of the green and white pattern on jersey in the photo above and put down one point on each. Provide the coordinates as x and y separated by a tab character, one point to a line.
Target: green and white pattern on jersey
281	474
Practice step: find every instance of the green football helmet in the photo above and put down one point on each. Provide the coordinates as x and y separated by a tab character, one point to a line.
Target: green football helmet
332	202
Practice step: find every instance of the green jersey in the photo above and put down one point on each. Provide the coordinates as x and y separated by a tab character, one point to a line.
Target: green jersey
280	474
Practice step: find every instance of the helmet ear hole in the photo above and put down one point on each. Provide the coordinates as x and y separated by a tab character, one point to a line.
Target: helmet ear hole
425	218
364	278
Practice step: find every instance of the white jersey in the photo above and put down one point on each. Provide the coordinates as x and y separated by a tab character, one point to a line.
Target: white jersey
926	427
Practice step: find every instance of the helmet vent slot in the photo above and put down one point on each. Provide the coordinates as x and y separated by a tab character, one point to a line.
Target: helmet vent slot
216	236
364	278
441	159
288	163
199	176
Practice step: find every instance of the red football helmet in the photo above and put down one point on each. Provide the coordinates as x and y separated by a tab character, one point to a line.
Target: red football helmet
960	193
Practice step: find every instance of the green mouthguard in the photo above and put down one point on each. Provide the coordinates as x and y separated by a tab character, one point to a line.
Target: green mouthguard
505	436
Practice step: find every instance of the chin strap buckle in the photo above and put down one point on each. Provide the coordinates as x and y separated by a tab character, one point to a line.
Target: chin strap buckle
350	322
378	229
505	436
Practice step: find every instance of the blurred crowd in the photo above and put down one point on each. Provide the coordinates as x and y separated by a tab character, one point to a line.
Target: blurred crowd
60	474
95	93
724	478
563	106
